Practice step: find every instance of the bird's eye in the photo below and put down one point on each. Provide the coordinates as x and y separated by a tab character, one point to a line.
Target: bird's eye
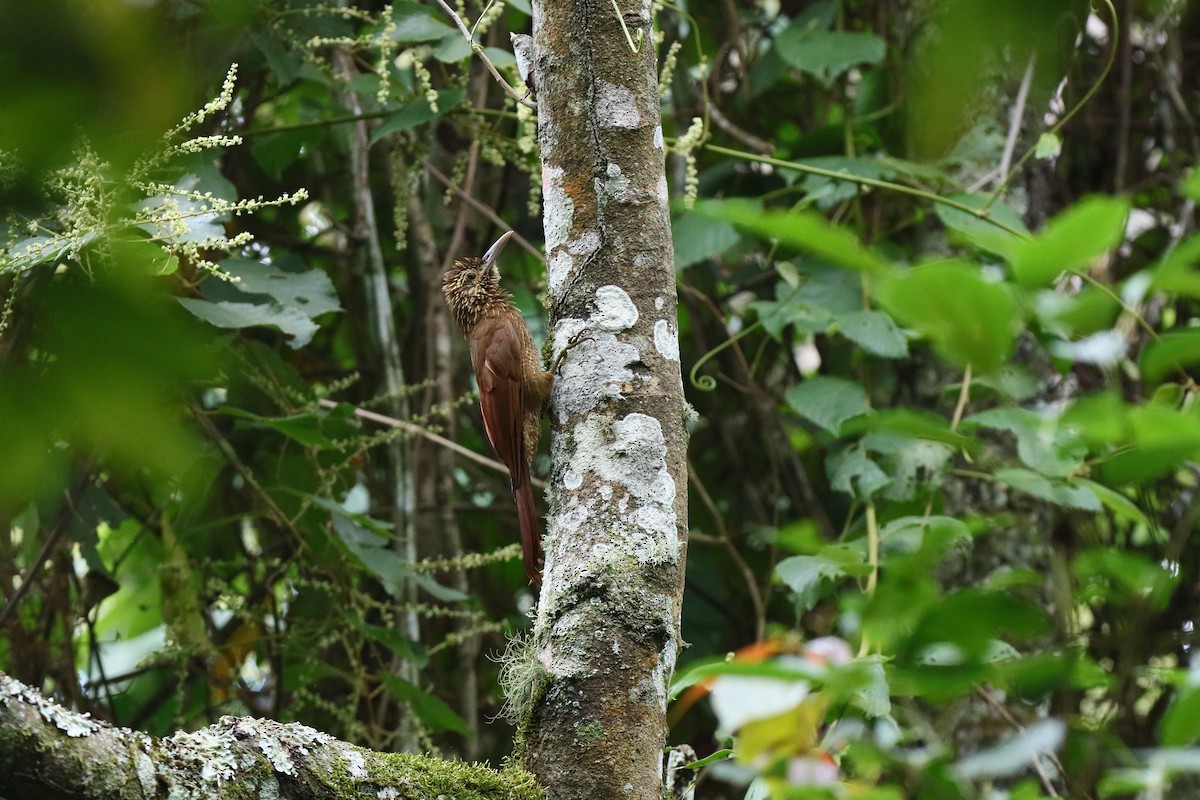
470	275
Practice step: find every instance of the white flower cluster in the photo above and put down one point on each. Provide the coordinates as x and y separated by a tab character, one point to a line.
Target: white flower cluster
93	210
685	145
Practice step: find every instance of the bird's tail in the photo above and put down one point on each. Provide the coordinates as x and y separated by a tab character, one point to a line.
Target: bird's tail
531	535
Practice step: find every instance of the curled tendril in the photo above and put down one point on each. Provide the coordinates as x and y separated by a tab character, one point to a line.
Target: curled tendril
706	383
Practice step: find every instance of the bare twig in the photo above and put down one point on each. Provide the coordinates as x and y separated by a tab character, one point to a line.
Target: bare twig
722	538
486	211
477	49
413	428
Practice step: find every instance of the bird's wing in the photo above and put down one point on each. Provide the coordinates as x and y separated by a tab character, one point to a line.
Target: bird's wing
496	353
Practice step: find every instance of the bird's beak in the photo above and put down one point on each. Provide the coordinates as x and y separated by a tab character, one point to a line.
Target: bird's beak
493	252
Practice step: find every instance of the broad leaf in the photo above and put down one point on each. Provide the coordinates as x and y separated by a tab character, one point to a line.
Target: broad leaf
1171	352
968	319
1088	229
1064	494
698	239
875	332
978	230
828	401
827	54
418	112
808	232
431	710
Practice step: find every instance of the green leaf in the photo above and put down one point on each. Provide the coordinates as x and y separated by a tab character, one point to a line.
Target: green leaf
1064	494
875	699
910	534
1172	351
791	308
431	710
1043	442
805	574
1117	503
452	48
291	321
911	422
417	113
827	54
808	232
415	23
979	231
1163	440
852	471
699	239
1177	272
1086	230
395	641
968	319
1181	723
311	291
828	401
303	428
720	755
875	331
268	296
1190	186
915	466
1049	145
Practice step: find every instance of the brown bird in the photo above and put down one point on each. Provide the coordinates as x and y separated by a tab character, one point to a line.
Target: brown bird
513	387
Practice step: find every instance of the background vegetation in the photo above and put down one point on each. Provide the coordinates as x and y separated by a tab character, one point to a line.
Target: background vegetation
937	272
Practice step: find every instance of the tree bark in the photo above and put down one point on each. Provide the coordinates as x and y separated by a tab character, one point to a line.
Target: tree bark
51	753
607	630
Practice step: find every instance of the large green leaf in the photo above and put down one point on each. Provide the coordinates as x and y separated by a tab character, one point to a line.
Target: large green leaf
265	295
1070	495
1086	230
431	710
698	239
418	112
804	575
1172	351
1044	444
808	232
875	332
968	319
828	401
827	54
980	231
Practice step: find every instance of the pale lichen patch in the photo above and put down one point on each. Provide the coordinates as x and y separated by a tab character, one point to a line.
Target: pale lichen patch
630	456
71	723
615	309
616	106
585	243
658	137
596	370
666	340
356	765
559	212
558	270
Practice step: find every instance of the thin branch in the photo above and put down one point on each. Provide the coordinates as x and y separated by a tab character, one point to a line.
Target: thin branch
413	428
485	210
60	525
477	49
722	538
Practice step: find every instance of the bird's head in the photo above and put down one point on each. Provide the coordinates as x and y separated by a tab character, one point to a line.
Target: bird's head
473	282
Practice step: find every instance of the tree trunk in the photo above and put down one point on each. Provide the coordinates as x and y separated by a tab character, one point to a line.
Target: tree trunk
607	631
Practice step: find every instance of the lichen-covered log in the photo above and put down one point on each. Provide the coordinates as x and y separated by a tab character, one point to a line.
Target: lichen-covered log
607	630
51	753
